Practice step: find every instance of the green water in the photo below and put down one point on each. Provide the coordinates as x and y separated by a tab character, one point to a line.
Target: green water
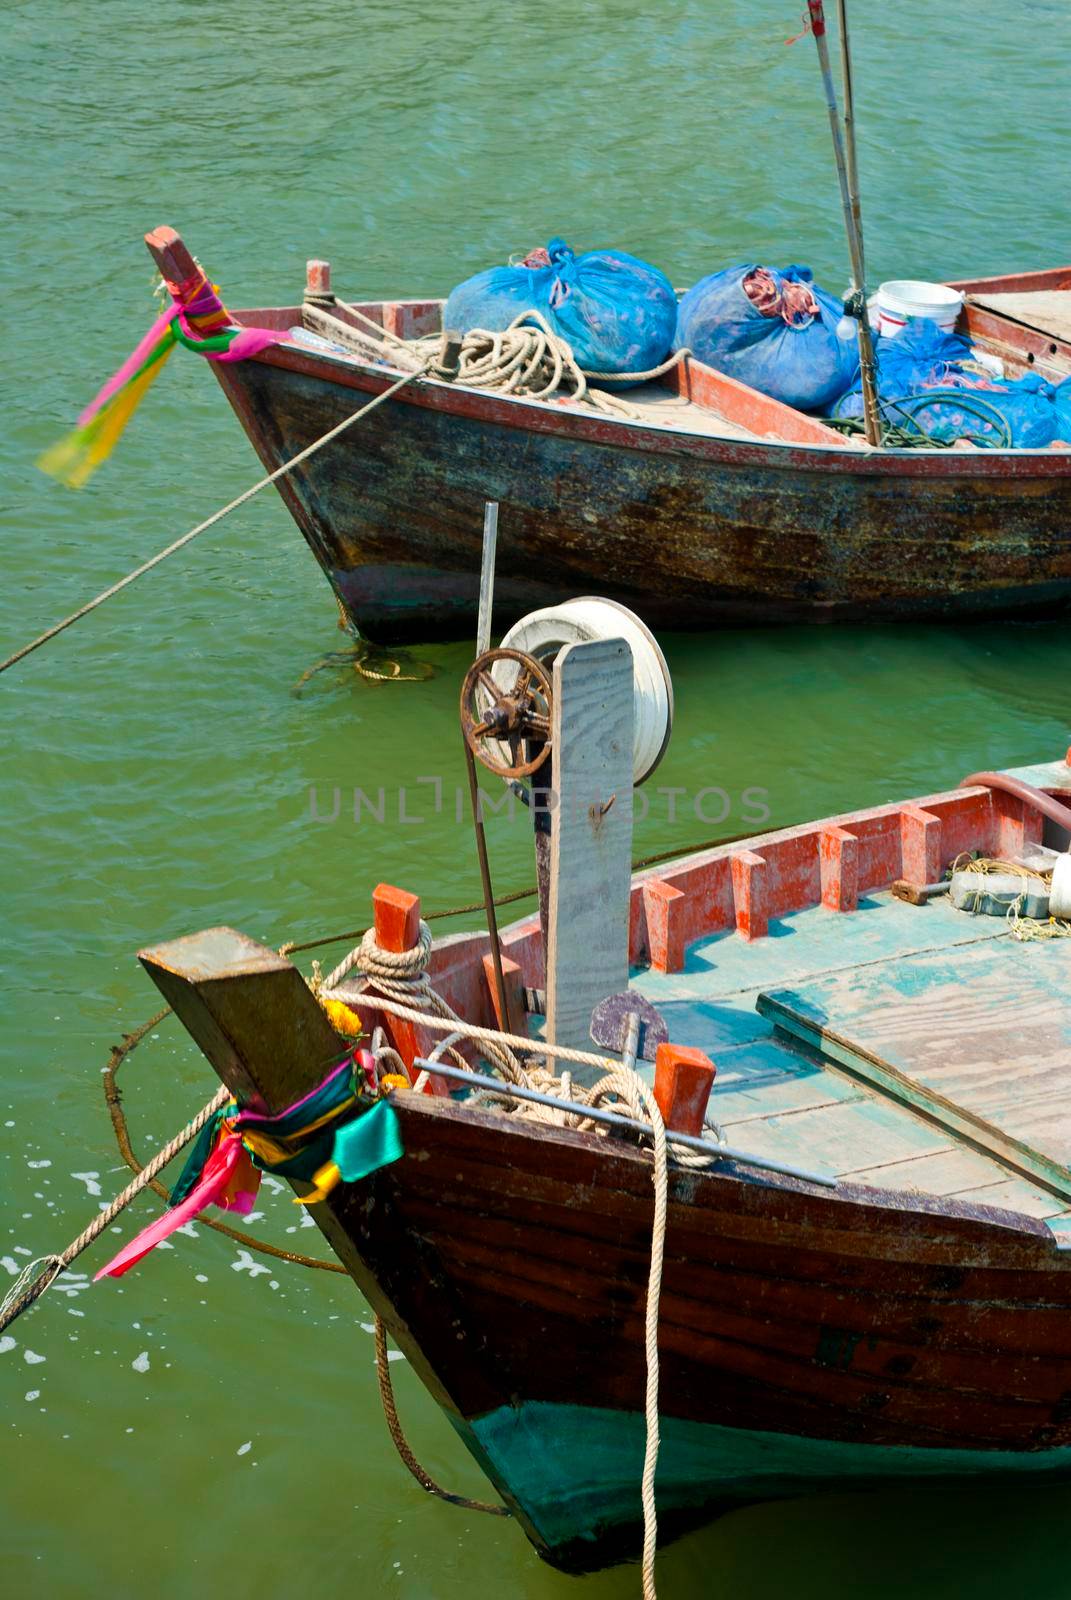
160	763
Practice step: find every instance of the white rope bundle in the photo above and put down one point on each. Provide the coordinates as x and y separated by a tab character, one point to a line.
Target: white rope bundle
527	359
402	977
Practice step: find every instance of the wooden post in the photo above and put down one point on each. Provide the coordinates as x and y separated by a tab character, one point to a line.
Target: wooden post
750	895
590	836
396	919
920	845
684	1078
838	860
180	271
247	1007
665	908
318	282
513	983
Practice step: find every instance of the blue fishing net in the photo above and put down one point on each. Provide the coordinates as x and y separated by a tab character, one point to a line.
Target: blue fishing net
923	383
1062	404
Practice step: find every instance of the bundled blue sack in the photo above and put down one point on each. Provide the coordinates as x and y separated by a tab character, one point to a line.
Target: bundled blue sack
923	380
617	312
776	331
919	357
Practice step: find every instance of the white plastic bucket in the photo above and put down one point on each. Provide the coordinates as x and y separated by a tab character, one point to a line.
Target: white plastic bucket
905	298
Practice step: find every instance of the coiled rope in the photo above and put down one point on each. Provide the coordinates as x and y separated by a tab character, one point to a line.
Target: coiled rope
1025	929
909	434
402	976
527	359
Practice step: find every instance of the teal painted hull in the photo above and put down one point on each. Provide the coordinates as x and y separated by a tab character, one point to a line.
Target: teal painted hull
574	1472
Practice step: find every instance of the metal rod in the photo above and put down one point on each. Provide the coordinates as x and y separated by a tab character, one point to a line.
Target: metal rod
479	1080
853	228
849	125
506	1022
632	1041
487	576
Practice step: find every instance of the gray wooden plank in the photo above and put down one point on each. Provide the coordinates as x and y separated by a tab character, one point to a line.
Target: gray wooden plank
978	1037
590	854
842	1135
941	1172
1048	310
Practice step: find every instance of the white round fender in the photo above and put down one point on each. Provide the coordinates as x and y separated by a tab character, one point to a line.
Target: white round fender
543	633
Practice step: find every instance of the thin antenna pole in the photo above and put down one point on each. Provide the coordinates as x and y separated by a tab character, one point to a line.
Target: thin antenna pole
483	643
487	576
856	306
849	125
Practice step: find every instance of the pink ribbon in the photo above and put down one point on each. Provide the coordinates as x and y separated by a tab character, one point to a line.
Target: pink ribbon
219	1170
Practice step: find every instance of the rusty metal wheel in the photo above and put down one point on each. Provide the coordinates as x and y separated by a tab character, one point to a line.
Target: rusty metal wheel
506	712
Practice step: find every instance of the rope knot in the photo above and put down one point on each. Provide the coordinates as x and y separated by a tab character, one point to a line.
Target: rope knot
396	966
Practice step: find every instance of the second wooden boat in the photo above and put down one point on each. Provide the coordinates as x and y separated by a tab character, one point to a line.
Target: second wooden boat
867	1278
714	504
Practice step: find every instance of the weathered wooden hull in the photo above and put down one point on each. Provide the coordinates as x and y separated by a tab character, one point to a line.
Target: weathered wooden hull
887	1327
688	530
807	1338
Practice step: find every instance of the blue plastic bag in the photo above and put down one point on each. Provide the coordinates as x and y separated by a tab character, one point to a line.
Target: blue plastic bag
617	312
920	380
808	365
922	355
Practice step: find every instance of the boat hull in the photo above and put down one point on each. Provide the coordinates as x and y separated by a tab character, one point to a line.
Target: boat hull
576	1471
688	530
808	1338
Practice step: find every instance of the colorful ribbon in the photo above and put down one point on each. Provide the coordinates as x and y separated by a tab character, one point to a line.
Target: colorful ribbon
334	1134
197	319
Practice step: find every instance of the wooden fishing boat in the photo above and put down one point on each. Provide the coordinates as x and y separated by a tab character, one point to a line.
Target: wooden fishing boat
871	1283
715	504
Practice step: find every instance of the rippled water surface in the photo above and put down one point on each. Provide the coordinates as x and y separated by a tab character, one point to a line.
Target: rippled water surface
210	1423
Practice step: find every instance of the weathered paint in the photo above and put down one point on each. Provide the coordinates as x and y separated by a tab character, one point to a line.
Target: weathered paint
686	529
809	1335
795	523
978	1037
576	1469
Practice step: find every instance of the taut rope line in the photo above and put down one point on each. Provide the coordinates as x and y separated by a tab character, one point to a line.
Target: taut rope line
30	1285
217	516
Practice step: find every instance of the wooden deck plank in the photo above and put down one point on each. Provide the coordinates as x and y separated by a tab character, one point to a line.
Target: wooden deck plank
979	1038
1048	310
764	1079
942	1172
1016	1194
847	1134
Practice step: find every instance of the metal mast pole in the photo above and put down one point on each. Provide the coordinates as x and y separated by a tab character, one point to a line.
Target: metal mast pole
856	305
849	125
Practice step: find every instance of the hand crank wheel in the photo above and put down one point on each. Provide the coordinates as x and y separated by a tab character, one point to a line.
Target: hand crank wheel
506	712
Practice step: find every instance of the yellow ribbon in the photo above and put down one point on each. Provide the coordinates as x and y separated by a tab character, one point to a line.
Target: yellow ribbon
325	1179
